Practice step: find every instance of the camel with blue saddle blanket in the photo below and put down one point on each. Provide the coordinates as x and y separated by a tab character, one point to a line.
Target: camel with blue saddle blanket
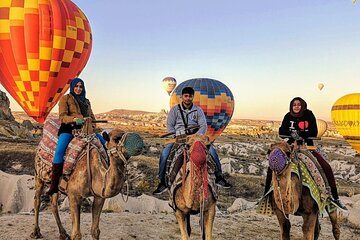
88	174
299	189
191	178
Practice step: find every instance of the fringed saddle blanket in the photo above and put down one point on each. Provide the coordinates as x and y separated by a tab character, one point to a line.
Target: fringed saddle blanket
75	150
174	172
265	207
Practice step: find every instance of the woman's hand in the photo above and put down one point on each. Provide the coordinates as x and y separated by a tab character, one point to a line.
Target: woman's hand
79	121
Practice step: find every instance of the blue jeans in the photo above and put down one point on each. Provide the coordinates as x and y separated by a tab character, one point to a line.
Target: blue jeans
216	159
101	138
166	152
63	142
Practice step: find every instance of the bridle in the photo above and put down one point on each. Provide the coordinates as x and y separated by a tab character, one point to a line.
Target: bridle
115	151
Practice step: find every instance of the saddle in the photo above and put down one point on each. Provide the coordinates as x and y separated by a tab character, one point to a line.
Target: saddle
75	150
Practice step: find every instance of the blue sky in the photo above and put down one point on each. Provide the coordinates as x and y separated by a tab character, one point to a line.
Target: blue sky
266	52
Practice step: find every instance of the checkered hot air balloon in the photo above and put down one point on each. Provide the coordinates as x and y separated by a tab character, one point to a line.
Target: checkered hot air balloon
43	46
214	97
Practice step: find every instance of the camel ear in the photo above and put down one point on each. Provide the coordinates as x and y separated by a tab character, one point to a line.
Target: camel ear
291	147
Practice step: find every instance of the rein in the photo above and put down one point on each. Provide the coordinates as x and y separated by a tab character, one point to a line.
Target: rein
114	151
288	183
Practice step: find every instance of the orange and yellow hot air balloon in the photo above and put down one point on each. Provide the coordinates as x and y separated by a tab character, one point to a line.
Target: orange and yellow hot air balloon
321	126
345	114
43	46
215	99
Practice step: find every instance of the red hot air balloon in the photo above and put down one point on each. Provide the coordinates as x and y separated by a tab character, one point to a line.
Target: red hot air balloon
43	46
215	99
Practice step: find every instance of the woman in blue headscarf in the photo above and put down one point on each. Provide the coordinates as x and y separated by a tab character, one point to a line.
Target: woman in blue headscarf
73	108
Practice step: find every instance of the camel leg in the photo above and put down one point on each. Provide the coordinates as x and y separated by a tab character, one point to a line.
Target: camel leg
75	204
180	216
55	211
335	224
39	185
317	229
209	221
284	224
96	211
308	227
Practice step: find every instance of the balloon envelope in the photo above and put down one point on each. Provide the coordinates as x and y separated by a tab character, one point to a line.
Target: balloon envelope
345	114
169	83
322	127
43	46
214	97
320	86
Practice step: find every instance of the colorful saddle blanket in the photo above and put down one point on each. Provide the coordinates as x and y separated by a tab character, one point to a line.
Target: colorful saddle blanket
174	172
265	207
75	149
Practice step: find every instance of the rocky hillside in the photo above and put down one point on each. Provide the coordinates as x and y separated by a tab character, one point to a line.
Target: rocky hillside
9	128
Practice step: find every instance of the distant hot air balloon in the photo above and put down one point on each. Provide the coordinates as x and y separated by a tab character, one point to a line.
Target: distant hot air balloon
43	46
169	83
320	86
322	127
345	114
214	97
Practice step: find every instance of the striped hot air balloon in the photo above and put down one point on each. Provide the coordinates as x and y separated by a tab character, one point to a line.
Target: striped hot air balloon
345	114
169	83
214	97
43	46
321	126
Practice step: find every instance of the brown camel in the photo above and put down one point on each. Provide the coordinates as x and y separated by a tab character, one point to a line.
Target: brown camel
189	197
101	183
291	197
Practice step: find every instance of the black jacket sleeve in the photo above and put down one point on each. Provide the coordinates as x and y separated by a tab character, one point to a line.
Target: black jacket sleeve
285	128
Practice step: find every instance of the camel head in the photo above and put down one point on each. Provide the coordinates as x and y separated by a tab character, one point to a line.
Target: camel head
198	153
279	156
127	143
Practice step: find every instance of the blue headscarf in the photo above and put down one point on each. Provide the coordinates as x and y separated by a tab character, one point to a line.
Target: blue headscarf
72	86
84	107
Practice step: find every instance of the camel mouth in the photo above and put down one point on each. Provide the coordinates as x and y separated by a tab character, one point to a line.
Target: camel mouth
278	160
198	153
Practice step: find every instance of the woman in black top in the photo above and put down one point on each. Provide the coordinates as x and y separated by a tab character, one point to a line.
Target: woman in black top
300	124
299	121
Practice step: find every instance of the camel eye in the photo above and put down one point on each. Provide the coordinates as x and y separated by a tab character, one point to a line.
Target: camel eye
117	138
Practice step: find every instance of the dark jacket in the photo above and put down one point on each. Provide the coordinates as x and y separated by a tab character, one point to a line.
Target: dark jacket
305	125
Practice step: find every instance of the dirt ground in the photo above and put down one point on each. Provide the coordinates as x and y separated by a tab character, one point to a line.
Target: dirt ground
125	225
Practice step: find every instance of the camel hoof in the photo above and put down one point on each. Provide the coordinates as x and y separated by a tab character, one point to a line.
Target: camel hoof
64	236
36	234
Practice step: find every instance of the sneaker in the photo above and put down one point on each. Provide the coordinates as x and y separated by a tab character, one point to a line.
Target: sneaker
160	189
221	182
339	204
